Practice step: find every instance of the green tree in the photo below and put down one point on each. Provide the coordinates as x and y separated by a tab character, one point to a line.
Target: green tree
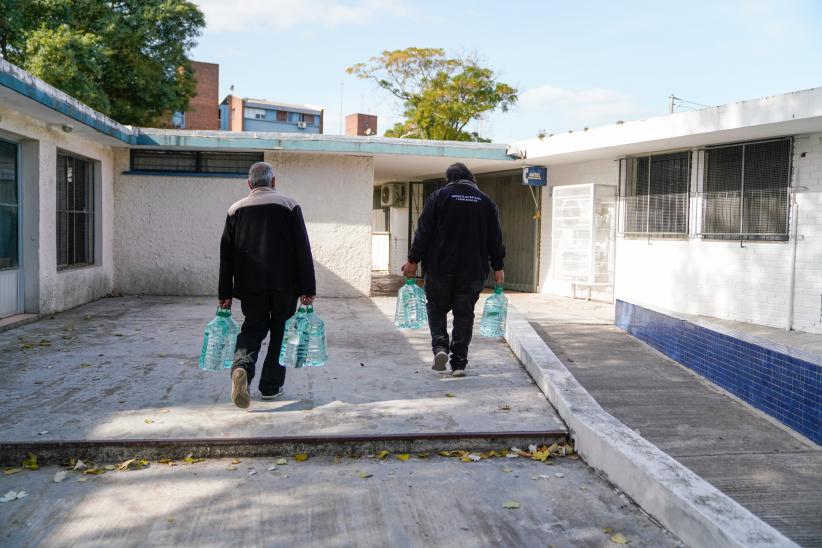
125	58
440	95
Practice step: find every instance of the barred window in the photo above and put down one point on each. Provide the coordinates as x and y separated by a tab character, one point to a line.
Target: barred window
654	194
745	195
75	211
189	161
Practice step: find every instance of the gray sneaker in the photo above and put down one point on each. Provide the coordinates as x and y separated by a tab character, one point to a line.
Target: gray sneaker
272	395
239	388
458	373
440	360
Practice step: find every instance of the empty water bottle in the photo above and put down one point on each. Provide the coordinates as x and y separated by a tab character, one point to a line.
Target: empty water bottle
316	354
411	312
494	314
295	340
219	340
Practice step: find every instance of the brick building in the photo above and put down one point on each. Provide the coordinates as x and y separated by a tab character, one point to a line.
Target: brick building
363	125
202	110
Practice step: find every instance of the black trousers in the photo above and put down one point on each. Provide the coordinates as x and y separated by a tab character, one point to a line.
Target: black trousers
264	313
452	293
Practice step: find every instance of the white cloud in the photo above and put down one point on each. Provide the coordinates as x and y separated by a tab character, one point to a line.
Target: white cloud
592	106
241	15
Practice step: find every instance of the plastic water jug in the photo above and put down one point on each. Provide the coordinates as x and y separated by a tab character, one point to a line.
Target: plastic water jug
494	314
219	341
317	354
295	340
411	312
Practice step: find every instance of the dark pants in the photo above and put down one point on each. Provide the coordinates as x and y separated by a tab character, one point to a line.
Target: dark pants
451	293
264	313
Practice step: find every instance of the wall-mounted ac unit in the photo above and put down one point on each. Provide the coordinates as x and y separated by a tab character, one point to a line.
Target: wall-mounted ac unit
393	195
301	125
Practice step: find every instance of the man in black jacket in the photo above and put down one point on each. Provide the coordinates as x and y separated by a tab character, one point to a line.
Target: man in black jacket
265	261
458	234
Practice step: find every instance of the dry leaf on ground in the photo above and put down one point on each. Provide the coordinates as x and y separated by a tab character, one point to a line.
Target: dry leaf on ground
231	467
13	495
450	395
382	454
510	504
148	421
31	462
236	461
190	459
10	471
281	462
364	475
403	456
302	457
506	469
619	538
60	476
504	407
271	468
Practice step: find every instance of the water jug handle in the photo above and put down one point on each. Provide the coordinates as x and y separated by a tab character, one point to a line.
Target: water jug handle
498	288
310	309
301	310
223	310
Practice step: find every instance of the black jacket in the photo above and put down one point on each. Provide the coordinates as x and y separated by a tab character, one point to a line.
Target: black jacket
458	233
265	247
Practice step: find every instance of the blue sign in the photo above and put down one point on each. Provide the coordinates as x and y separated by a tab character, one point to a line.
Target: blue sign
535	176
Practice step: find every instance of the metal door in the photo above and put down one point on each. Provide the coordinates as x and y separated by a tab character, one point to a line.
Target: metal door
518	210
10	279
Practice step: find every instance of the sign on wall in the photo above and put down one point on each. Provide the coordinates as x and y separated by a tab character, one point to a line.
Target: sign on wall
535	176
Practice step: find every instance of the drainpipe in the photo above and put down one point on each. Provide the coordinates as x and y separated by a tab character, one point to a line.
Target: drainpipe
792	279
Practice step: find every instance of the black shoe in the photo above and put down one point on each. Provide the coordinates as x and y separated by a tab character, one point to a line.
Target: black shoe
271	395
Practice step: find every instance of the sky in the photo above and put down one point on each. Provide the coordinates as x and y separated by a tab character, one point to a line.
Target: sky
575	64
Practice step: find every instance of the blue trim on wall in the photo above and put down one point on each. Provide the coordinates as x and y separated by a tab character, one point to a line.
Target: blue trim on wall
785	387
64	107
196	175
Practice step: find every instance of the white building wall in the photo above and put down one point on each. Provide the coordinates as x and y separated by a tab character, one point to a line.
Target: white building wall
604	172
47	289
748	282
168	228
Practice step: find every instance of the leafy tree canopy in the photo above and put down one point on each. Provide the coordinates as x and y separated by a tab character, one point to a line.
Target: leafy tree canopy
440	95
125	58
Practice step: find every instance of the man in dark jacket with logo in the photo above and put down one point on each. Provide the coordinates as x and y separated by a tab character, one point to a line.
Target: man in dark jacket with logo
458	234
265	261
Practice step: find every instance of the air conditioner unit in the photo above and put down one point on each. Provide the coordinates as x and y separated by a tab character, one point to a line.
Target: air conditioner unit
301	125
393	195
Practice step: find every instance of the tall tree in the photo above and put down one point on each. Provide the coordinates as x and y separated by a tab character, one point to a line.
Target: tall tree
125	58
440	95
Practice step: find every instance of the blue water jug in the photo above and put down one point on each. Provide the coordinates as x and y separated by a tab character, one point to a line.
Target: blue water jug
219	341
494	314
411	312
295	340
316	354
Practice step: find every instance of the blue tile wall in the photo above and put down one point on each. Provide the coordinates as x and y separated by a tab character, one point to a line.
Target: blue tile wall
787	388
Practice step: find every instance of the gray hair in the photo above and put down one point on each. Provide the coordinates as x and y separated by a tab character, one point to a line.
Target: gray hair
260	174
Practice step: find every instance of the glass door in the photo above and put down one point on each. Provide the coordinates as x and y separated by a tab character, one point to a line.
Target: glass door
9	231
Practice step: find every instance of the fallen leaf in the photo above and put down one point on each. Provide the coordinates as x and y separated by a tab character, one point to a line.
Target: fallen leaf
85	365
544	476
10	471
506	469
534	477
79	465
42	432
422	455
403	456
364	475
170	519
190	459
281	462
119	335
60	476
541	456
165	461
619	538
123	466
109	467
231	467
302	457
165	411
450	395
94	471
31	462
272	468
473	457
87	317
148	421
607	530
559	475
13	495
512	456
382	454
444	453
82	478
504	407
26	346
236	461
252	472
510	504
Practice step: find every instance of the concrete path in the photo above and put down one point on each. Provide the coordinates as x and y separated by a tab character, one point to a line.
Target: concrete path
762	465
126	368
325	502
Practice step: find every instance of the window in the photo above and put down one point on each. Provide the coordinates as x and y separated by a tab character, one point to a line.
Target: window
282	116
9	207
295	117
654	193
254	113
745	192
178	120
189	161
308	119
75	211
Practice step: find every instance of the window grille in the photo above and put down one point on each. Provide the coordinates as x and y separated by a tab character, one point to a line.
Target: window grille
655	195
75	212
746	190
184	161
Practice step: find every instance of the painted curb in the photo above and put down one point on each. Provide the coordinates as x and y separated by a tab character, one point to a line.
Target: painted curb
688	506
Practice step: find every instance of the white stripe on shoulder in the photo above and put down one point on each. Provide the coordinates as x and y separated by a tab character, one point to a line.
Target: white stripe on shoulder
263	196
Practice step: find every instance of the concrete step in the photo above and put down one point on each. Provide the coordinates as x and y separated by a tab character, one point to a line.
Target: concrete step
57	452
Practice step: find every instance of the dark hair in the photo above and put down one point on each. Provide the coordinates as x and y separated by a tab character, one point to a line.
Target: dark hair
458	172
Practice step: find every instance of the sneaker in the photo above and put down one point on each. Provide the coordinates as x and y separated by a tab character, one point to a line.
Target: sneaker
271	395
440	359
458	372
239	388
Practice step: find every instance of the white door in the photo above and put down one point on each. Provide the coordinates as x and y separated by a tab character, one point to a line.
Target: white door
9	231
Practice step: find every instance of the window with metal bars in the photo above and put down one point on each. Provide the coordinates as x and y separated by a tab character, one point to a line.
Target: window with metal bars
746	190
654	194
75	212
190	161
